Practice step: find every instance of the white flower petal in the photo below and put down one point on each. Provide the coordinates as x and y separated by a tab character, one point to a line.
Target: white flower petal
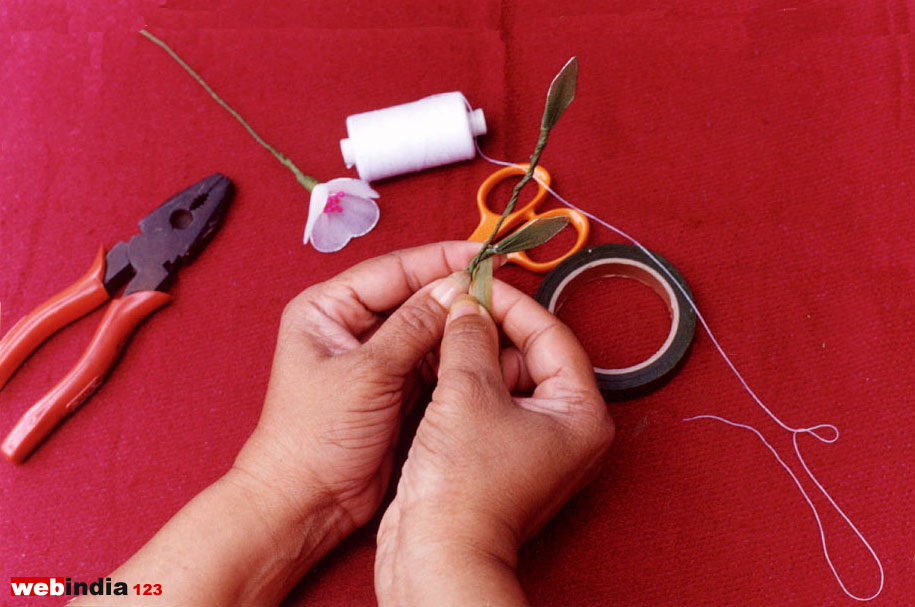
315	209
359	214
331	233
353	187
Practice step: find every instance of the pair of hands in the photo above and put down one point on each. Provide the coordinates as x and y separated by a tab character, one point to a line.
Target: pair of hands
487	468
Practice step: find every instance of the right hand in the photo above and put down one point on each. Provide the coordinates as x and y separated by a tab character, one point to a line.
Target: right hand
487	469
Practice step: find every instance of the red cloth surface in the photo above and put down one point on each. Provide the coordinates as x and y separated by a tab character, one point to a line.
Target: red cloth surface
765	148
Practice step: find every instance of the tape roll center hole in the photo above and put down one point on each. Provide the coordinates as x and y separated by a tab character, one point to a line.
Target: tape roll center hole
619	316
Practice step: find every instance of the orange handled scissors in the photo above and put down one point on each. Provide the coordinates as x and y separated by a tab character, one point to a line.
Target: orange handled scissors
524	214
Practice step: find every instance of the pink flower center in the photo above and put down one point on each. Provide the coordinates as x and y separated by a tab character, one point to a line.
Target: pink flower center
333	203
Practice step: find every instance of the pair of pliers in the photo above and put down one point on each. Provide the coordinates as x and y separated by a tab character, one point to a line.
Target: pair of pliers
172	235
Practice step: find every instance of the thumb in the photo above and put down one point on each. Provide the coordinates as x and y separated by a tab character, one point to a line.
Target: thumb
415	328
469	358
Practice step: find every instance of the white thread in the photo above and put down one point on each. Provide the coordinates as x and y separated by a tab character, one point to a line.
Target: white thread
812	430
413	136
816	514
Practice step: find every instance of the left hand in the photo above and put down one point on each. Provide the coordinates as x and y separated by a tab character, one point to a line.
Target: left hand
343	374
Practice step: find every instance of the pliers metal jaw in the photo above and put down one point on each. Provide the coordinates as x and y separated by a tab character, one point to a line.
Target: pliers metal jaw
171	236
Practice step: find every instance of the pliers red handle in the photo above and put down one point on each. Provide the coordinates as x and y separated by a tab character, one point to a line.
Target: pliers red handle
170	236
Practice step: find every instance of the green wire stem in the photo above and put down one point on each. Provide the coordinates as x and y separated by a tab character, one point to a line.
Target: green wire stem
306	181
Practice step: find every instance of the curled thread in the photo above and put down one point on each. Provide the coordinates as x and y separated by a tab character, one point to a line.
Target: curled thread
816	514
826	433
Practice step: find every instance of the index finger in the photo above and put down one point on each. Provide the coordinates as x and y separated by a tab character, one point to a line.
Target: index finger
554	358
384	282
335	315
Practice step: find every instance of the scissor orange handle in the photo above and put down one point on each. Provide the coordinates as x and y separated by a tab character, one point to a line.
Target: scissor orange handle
489	218
579	223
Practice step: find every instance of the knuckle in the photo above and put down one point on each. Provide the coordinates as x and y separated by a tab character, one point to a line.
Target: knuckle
472	328
419	318
601	429
594	427
465	381
297	309
608	431
436	436
294	312
412	330
467	387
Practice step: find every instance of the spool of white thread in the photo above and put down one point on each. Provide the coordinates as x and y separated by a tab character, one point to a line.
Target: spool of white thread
430	132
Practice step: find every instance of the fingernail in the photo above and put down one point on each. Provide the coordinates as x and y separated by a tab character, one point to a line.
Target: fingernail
464	304
449	288
499	260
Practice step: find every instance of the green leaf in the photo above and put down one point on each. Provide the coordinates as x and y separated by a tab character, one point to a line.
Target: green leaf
561	94
532	234
558	98
481	285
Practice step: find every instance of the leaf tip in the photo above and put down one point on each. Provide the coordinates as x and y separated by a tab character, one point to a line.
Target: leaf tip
561	93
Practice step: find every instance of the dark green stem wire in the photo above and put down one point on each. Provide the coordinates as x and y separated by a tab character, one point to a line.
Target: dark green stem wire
535	159
306	181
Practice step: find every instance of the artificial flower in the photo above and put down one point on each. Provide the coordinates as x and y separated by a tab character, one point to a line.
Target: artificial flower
338	211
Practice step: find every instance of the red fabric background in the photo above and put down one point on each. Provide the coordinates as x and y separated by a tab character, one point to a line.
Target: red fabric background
765	148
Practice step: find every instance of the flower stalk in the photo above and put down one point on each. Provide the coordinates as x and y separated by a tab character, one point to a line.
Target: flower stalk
306	181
